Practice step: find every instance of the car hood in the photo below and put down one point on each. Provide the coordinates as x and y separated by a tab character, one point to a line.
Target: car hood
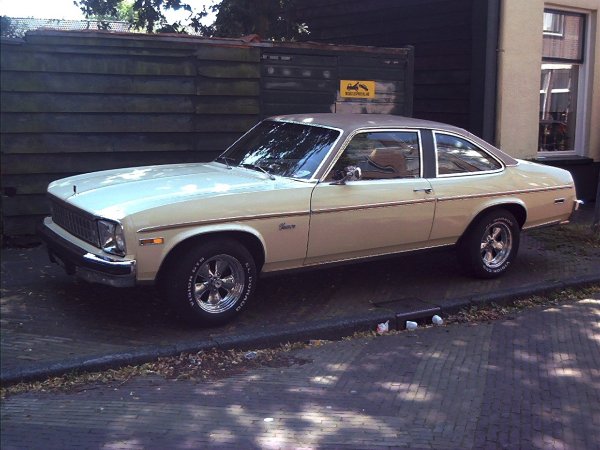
115	194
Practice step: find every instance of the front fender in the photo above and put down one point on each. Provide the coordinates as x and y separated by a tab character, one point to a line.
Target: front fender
213	229
151	257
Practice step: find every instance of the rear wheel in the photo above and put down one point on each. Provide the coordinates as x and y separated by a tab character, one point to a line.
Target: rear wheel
490	244
212	282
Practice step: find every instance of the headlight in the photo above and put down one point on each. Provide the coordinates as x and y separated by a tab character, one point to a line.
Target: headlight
111	237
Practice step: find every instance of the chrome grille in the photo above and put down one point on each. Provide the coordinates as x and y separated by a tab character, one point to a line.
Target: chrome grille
76	222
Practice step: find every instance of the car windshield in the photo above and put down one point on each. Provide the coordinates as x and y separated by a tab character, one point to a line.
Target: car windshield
282	148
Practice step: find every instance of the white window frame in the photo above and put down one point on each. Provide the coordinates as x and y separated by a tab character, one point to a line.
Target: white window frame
582	129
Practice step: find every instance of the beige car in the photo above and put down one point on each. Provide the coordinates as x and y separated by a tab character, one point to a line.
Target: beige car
300	191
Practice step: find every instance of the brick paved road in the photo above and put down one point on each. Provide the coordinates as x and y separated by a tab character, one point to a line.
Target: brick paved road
532	381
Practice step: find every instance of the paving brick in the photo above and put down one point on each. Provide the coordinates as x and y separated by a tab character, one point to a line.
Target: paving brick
483	386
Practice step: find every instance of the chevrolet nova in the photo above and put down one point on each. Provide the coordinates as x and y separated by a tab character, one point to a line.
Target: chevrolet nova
300	191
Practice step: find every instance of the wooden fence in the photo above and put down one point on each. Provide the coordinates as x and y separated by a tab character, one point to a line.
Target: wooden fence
75	102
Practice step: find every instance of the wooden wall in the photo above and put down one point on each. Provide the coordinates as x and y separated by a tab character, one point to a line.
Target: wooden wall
307	80
74	102
442	33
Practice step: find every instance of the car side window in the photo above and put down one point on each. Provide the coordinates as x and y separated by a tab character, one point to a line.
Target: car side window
456	155
382	155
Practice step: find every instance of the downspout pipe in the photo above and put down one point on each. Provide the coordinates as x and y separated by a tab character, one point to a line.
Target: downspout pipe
490	89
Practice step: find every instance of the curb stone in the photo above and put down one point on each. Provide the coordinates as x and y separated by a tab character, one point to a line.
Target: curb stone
326	329
331	329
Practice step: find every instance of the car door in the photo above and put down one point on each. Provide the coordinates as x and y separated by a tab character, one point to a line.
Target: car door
389	209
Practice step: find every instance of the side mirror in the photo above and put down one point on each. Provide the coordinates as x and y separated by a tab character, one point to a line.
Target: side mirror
349	173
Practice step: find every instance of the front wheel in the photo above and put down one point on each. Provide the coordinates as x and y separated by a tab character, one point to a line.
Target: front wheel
212	282
490	244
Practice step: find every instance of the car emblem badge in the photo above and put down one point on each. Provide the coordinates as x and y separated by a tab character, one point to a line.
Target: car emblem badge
285	226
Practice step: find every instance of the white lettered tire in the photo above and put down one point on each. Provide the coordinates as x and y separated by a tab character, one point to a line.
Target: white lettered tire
211	282
490	245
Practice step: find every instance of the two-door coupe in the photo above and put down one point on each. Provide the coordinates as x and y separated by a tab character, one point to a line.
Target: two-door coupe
299	191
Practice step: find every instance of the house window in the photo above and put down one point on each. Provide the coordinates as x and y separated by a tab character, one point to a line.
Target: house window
562	72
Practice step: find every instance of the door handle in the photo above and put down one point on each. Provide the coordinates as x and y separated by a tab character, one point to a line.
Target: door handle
426	190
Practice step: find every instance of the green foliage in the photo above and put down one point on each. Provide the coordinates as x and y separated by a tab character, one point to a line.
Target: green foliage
125	11
104	11
150	15
146	15
98	8
9	29
270	19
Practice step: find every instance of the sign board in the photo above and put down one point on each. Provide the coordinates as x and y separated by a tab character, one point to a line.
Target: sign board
357	89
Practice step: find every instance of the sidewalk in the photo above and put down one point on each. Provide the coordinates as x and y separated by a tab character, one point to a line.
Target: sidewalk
51	324
528	381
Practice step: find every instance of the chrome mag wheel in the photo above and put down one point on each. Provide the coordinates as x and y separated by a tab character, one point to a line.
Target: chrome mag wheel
219	284
496	244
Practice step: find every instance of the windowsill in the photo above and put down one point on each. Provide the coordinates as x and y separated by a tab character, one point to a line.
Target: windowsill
568	160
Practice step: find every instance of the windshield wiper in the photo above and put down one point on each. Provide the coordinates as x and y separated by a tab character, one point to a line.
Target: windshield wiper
259	168
226	159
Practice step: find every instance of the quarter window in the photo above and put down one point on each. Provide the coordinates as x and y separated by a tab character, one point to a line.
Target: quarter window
383	155
456	156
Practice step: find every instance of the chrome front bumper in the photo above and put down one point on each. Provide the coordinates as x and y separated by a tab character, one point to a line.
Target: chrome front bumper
94	268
